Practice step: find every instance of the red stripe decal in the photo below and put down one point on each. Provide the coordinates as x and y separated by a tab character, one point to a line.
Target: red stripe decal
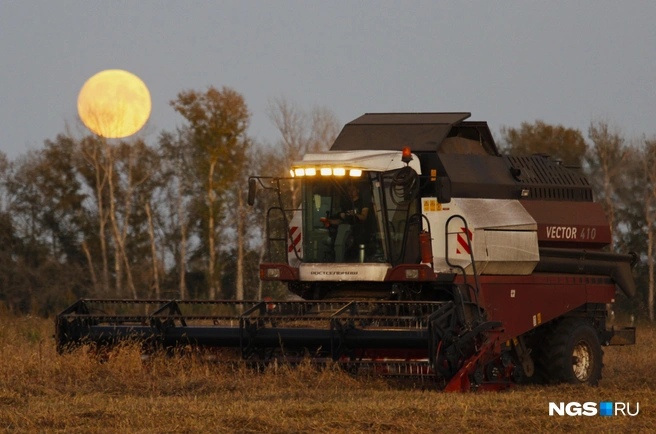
295	239
463	241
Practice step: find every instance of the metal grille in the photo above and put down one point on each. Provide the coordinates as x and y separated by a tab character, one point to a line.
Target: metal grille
547	179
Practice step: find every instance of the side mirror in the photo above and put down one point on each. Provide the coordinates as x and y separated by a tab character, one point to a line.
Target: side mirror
252	189
443	189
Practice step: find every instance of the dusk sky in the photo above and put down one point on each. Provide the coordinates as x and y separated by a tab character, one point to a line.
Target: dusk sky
563	62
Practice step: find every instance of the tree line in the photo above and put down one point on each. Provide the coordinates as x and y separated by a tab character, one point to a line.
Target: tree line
622	173
93	217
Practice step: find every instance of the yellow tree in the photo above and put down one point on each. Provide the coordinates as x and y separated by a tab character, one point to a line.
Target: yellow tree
557	141
216	126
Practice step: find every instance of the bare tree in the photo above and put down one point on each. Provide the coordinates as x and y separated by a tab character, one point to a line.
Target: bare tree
302	132
325	128
153	249
95	155
241	241
5	167
648	161
605	162
176	169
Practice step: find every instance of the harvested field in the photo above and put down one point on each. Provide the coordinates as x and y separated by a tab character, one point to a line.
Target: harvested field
43	392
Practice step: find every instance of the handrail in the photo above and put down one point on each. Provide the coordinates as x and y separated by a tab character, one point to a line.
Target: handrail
477	285
275	181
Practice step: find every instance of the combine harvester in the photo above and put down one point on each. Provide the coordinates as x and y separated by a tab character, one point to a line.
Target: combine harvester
416	250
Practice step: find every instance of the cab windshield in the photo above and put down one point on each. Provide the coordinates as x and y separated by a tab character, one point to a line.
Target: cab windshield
343	220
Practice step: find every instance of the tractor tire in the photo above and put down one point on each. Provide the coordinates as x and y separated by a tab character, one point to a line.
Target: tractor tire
569	353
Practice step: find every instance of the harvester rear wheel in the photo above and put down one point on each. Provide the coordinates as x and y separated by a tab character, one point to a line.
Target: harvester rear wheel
571	353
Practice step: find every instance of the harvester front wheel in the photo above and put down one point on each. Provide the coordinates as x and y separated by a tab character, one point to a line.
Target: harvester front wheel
572	354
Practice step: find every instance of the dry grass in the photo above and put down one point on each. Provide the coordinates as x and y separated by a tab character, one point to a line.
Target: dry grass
43	392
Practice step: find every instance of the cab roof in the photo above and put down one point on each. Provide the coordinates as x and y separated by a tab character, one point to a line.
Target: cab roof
376	161
422	132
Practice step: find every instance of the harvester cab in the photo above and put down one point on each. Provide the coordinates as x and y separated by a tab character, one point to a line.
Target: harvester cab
434	199
347	215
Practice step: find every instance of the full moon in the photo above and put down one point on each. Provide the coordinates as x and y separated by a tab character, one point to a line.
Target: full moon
114	103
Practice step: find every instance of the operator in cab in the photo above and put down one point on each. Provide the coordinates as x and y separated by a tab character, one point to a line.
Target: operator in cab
356	213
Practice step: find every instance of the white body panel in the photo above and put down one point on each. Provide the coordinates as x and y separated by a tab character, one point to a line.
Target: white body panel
503	236
343	272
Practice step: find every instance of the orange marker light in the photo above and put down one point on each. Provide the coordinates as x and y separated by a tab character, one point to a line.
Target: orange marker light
406	155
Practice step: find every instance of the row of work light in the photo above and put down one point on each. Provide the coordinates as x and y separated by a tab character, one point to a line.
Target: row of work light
325	171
